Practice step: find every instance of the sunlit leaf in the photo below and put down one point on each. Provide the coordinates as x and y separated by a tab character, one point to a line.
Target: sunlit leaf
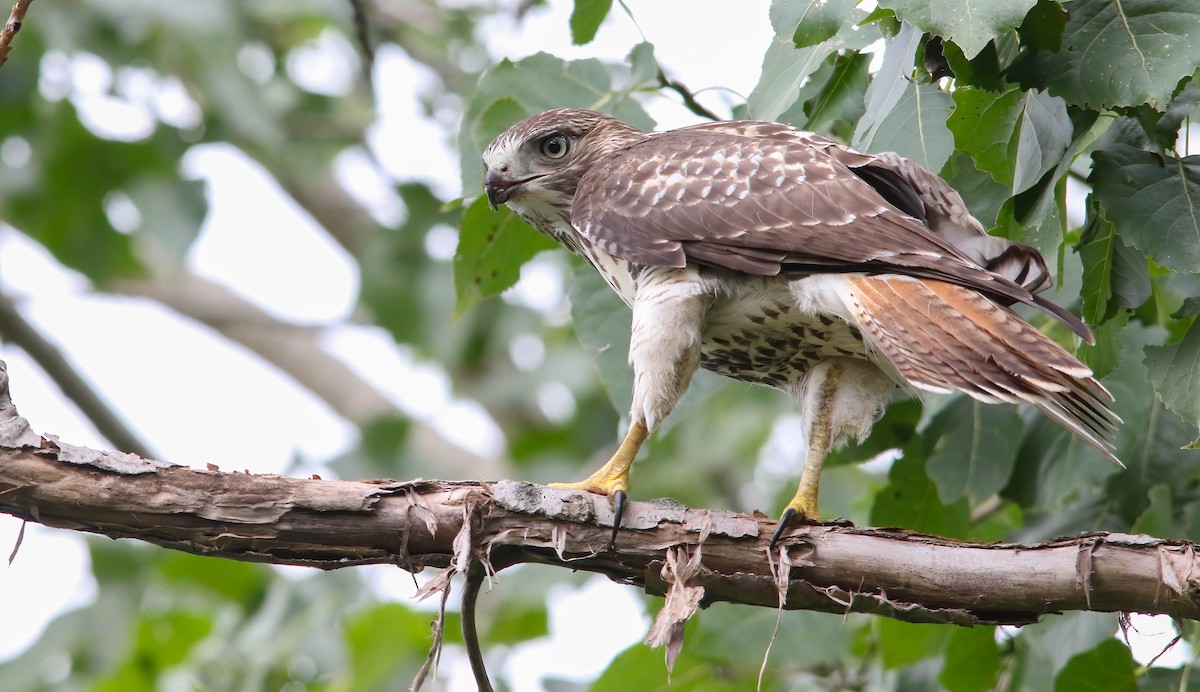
537	83
586	19
1016	136
842	93
969	23
808	22
916	126
888	86
787	68
492	246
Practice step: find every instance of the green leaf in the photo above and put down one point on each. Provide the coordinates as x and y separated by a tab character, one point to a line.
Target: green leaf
1118	54
974	449
972	24
516	620
1059	638
1114	275
172	211
905	643
63	206
841	94
537	83
1152	200
1158	519
808	22
1184	105
492	246
643	66
1096	252
972	660
982	194
1107	668
163	641
641	668
241	582
1105	355
982	71
1016	136
1043	26
910	500
586	19
888	86
602	323
916	127
382	637
401	288
1174	371
728	635
785	68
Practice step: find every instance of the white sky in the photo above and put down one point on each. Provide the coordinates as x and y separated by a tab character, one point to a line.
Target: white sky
163	373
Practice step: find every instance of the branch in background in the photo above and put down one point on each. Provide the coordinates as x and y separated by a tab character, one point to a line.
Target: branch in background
15	20
689	99
362	33
297	351
663	547
15	329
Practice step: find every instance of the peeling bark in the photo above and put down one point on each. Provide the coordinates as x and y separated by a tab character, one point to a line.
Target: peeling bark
693	557
719	556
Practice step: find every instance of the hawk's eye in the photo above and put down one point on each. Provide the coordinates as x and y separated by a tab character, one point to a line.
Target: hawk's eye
555	146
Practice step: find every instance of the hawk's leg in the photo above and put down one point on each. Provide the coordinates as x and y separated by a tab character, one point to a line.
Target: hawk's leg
664	350
839	398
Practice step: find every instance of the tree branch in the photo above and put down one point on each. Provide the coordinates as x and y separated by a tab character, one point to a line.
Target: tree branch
16	19
15	329
664	548
297	351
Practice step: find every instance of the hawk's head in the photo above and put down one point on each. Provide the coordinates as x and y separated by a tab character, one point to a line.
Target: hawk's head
536	165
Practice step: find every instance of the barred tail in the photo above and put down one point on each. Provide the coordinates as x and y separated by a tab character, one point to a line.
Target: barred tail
943	337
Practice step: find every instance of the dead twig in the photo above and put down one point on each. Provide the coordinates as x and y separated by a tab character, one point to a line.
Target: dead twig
16	19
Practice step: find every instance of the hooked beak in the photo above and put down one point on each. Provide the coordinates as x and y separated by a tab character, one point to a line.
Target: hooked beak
500	189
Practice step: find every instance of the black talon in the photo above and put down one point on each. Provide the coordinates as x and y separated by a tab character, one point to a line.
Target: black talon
618	497
788	515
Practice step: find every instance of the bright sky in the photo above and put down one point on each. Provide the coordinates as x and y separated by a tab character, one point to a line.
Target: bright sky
163	373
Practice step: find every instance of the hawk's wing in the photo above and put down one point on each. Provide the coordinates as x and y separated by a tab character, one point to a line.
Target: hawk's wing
764	198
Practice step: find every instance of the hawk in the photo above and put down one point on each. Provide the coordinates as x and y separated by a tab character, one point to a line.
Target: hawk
778	257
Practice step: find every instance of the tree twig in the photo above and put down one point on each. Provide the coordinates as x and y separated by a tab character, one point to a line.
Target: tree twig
476	573
298	352
16	19
15	329
689	99
362	32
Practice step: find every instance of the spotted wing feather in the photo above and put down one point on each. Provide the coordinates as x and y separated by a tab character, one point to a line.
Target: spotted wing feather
766	205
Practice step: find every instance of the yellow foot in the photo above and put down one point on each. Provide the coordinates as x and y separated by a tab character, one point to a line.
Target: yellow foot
613	478
803	507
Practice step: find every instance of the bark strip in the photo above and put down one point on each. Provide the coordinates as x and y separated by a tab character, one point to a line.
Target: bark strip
331	524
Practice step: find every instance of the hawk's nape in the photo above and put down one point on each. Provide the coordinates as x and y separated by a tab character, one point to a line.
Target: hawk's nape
778	257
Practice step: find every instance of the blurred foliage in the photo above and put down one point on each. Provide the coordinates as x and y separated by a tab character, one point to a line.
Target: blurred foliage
1001	101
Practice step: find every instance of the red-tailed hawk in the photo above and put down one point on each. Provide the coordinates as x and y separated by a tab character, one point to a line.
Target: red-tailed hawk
778	257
